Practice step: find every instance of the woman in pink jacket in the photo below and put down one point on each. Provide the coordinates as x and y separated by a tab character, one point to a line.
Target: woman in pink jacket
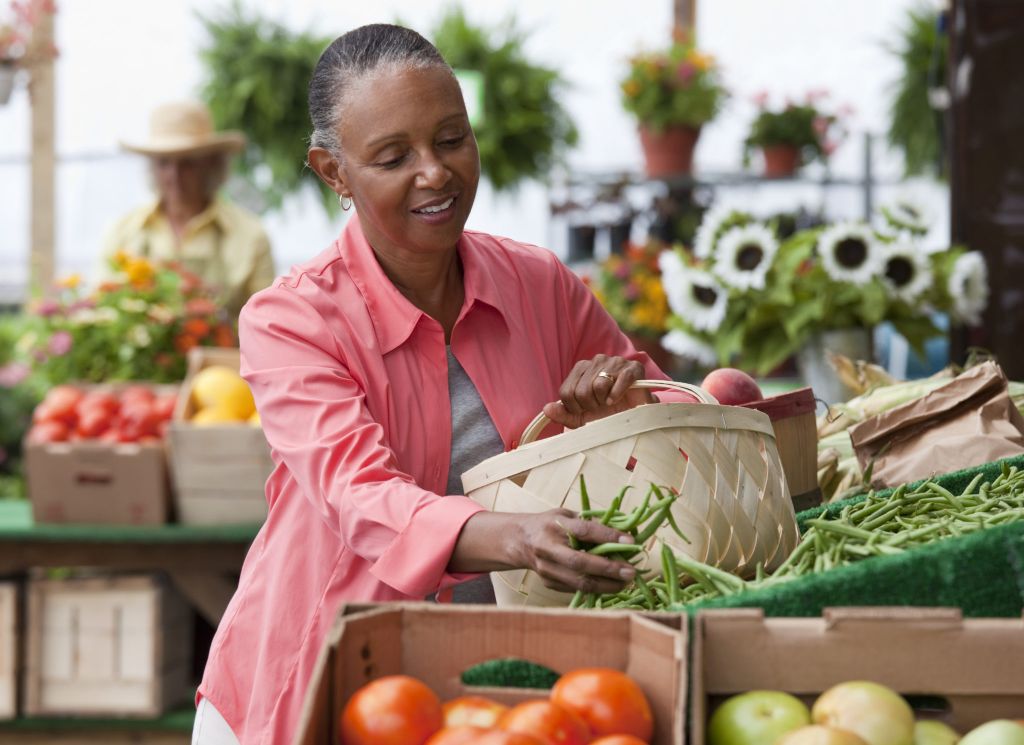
407	352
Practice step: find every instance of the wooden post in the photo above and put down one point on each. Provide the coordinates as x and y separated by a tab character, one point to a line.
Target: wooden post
684	16
41	94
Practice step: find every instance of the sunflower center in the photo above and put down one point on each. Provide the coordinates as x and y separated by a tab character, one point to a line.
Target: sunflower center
705	295
851	252
749	257
900	271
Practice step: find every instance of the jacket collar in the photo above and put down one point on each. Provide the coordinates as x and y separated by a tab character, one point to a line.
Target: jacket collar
394	317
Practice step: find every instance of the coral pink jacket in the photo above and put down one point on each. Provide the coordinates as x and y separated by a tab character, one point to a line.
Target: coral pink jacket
351	383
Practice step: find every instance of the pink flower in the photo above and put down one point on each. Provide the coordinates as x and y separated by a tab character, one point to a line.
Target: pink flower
631	292
12	374
47	308
760	99
83	304
685	72
820	125
828	147
60	343
622	272
816	94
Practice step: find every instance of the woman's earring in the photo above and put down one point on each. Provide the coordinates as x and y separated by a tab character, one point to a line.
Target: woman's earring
341	201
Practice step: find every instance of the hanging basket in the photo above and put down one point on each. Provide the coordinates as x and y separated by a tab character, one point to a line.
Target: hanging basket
734	505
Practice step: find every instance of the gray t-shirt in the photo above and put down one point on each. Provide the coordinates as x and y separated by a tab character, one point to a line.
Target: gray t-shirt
474	439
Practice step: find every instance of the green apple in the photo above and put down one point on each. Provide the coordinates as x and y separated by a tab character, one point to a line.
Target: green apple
815	734
997	732
934	733
756	718
876	713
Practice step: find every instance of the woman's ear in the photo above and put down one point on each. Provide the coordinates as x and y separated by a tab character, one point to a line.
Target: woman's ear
326	166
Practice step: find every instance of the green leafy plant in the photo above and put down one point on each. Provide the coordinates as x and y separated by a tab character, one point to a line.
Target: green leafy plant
138	326
256	80
525	130
676	86
19	394
914	126
806	126
745	297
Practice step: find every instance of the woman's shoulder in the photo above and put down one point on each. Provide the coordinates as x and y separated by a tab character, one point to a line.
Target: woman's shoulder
517	255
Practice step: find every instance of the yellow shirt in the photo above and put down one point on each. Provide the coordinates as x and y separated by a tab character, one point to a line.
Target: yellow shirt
225	245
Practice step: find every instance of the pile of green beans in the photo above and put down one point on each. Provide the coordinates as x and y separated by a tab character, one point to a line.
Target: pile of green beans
877	526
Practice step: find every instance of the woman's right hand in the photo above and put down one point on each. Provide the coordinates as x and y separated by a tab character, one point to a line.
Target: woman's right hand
544	547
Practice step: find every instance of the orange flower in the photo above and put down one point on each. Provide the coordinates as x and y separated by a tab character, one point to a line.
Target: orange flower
200	306
183	343
223	336
631	88
197	327
70	282
139	272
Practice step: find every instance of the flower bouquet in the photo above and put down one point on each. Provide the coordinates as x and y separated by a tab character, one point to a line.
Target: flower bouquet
672	93
139	325
744	297
629	287
794	135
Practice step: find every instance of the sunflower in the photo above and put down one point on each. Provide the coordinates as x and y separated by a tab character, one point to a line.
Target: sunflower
850	253
715	222
686	345
909	214
695	296
968	287
744	256
907	272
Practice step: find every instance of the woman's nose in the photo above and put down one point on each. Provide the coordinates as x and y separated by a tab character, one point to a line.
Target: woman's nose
434	174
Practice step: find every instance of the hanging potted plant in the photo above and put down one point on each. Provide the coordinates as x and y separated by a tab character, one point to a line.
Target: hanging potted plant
19	47
794	135
672	93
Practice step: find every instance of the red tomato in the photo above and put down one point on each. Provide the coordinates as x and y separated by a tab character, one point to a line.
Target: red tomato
60	402
609	701
164	406
472	710
134	392
138	420
460	735
548	722
618	740
51	431
393	710
99	400
500	737
93	421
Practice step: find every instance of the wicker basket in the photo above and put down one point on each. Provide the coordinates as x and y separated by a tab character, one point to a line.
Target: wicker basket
734	507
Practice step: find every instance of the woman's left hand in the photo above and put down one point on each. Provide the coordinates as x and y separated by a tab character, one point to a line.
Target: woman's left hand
596	388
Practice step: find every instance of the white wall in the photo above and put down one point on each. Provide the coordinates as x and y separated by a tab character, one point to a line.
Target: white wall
119	58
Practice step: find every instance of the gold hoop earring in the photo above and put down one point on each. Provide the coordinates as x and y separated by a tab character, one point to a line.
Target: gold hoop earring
341	201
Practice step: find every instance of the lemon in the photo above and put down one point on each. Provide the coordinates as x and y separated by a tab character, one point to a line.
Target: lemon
214	415
221	387
254	420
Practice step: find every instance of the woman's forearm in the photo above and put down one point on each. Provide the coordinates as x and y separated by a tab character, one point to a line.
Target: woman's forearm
488	542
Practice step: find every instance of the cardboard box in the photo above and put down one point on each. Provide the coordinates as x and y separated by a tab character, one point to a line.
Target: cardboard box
10	658
436	643
219	472
973	666
117	646
796	435
97	482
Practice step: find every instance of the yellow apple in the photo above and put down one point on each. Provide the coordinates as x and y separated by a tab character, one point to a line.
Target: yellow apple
934	733
815	734
756	717
878	714
997	732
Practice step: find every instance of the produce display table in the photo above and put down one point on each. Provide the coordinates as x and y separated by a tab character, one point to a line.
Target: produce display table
201	561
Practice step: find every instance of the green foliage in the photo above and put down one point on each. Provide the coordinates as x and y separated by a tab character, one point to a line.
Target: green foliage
914	124
525	130
257	80
805	126
19	395
679	86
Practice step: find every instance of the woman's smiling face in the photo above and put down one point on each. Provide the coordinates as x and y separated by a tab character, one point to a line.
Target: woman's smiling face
410	158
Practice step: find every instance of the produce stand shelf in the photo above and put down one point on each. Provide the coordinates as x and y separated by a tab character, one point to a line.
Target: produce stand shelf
174	728
198	559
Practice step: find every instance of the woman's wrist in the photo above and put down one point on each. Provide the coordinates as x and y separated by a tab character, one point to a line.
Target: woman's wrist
488	542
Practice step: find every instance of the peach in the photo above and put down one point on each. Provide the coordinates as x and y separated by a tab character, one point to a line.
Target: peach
732	387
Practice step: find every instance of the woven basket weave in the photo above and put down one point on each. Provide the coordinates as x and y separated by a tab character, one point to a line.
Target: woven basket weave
734	505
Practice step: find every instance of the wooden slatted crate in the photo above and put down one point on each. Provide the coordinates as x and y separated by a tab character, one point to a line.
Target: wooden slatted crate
9	649
219	472
117	646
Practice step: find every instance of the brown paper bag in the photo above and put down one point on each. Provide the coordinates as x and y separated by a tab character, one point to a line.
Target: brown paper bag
967	422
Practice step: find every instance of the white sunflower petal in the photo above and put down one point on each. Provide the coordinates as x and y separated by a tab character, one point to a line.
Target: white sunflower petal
920	279
736	247
968	287
839	268
698	299
687	345
710	230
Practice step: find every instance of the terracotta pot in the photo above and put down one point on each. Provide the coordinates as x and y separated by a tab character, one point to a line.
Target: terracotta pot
780	161
668	152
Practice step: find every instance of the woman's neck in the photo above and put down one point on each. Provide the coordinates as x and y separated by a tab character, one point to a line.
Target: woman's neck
432	284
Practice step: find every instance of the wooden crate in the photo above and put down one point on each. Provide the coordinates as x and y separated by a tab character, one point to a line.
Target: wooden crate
219	472
9	649
113	646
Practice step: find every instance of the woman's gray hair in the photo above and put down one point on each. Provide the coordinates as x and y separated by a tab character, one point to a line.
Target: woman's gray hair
350	57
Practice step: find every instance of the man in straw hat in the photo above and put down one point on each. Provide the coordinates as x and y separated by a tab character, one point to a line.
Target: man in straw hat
210	236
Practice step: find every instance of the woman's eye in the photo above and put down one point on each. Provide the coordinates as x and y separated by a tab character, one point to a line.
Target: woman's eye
391	161
453	141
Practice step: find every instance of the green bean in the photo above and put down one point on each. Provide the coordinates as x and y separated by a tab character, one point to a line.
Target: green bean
584	497
615	505
606	549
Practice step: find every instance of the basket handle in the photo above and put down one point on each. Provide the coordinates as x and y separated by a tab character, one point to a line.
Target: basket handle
534	428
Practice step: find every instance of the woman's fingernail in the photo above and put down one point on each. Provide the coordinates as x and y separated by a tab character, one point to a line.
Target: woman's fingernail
609	401
627	572
626	539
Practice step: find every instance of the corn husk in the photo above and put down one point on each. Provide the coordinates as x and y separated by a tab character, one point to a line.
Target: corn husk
858	375
842	416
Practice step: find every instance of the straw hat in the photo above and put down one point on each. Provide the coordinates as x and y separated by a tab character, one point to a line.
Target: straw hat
185	128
